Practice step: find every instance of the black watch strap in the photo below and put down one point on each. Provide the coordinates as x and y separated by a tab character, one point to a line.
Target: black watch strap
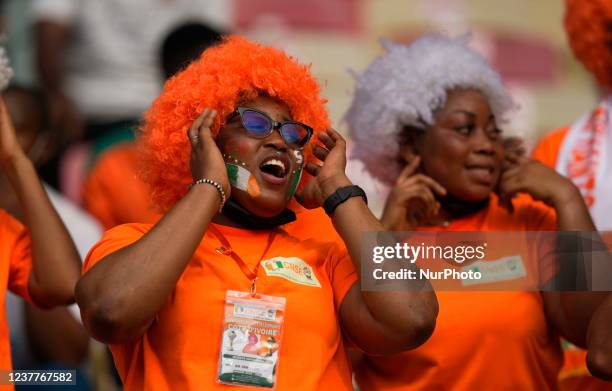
341	195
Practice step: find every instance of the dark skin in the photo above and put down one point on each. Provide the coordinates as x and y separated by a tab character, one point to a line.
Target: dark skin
56	263
121	308
463	154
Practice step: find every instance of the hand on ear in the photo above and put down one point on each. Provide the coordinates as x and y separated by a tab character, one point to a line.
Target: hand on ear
407	156
412	201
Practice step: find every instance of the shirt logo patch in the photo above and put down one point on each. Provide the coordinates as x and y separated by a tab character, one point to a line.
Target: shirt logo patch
503	269
292	269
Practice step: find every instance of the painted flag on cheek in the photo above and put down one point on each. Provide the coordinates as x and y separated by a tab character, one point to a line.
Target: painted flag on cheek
238	176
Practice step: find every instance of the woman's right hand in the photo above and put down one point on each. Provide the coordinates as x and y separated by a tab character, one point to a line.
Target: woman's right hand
206	158
411	202
10	150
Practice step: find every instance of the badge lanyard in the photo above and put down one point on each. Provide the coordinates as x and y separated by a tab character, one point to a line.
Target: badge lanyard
226	249
252	328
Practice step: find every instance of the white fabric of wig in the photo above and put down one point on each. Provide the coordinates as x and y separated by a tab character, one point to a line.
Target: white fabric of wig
405	86
6	72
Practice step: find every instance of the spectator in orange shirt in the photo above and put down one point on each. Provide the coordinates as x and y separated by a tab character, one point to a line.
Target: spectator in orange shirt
582	151
40	261
236	125
434	107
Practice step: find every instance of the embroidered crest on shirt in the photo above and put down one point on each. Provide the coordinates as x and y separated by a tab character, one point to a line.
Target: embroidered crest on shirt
503	269
292	269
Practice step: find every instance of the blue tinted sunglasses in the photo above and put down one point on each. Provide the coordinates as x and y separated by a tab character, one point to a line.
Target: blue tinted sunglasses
260	125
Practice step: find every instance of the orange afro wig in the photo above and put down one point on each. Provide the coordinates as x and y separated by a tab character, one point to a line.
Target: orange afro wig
226	74
589	28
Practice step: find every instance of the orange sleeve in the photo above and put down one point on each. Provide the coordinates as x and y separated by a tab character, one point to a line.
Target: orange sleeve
341	272
548	148
113	240
16	240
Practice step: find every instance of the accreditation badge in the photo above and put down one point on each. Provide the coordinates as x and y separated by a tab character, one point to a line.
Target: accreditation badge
251	339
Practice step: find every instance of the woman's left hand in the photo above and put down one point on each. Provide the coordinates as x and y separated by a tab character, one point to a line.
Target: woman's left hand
540	181
330	175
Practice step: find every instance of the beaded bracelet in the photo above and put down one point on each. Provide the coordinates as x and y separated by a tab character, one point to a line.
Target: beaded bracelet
216	185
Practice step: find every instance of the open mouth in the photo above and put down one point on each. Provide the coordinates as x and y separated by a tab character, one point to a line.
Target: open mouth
274	167
483	169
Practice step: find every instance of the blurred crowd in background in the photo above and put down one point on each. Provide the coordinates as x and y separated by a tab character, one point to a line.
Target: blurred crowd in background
86	70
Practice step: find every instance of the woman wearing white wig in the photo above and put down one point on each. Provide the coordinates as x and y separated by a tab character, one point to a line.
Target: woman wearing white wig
433	108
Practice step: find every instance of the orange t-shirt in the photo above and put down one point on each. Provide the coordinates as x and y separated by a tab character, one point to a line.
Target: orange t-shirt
547	150
313	224
482	340
16	258
180	351
113	193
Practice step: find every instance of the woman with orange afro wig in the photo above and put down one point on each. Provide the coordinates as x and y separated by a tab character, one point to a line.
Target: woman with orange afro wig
583	153
217	292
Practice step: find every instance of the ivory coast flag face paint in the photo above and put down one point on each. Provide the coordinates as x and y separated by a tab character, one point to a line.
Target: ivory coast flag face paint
297	175
295	181
253	187
242	179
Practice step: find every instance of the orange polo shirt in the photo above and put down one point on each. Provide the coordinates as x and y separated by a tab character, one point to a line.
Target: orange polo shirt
482	340
180	351
16	258
113	193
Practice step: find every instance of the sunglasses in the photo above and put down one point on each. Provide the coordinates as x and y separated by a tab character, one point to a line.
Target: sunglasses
260	125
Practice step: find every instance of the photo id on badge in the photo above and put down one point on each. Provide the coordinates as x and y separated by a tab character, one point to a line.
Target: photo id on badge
251	339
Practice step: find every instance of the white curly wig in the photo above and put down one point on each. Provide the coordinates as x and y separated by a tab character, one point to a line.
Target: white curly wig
405	86
6	72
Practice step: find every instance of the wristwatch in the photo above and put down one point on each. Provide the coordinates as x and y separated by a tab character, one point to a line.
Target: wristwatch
341	195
